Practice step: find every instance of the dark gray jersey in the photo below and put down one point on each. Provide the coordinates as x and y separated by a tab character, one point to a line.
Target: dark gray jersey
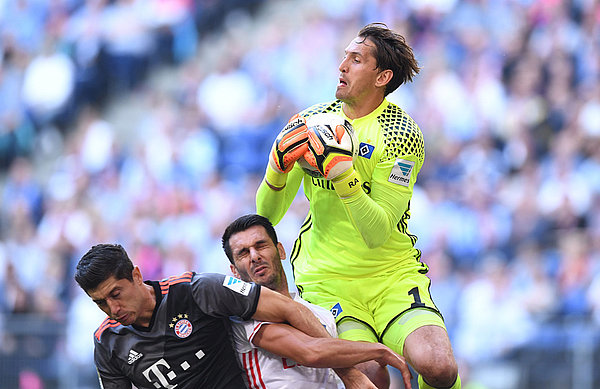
187	344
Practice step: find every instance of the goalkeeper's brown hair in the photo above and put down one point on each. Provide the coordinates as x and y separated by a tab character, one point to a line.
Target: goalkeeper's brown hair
391	52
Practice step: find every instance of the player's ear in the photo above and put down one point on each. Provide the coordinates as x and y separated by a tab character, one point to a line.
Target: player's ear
137	275
281	251
384	77
234	271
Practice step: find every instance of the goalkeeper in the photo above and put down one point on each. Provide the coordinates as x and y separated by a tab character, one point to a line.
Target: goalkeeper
354	254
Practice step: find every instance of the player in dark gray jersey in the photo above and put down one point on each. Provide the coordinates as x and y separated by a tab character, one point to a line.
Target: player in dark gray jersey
174	332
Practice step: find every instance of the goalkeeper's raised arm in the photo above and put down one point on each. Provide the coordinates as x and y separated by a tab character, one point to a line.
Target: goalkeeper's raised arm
279	187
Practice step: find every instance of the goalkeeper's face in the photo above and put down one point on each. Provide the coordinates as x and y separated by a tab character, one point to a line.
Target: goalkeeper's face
256	258
359	75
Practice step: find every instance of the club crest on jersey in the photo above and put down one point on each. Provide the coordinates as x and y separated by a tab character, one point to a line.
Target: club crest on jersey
181	325
237	285
365	150
336	310
401	172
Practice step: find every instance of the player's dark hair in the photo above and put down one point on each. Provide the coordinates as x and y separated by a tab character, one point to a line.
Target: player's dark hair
391	52
100	263
243	223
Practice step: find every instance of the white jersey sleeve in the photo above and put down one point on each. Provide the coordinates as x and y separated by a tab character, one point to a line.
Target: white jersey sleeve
265	370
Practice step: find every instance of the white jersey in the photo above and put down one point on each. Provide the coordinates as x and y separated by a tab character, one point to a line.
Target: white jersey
265	370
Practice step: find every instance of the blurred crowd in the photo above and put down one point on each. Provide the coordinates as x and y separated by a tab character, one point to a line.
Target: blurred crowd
506	207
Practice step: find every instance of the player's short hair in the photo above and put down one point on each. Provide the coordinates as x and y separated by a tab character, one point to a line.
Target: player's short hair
243	223
100	263
391	52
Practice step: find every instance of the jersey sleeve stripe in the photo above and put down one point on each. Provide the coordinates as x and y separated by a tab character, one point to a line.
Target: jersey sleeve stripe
107	323
249	362
258	372
173	280
255	330
246	370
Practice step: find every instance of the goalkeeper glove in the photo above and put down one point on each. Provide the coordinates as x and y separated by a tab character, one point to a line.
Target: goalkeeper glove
289	146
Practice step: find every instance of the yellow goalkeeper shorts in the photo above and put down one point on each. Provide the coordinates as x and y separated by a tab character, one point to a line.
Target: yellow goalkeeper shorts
375	308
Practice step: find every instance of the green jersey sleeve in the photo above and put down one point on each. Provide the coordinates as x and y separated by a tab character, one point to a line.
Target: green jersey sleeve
273	204
376	215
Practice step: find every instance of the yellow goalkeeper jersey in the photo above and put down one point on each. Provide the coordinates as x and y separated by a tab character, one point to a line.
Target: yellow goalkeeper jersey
367	234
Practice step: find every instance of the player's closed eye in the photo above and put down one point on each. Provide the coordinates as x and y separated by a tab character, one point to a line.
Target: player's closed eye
242	254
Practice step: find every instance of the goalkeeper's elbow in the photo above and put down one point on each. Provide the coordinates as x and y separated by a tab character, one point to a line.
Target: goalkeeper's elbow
375	240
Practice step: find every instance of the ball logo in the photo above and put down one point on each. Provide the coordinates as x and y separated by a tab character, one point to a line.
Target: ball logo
326	132
183	328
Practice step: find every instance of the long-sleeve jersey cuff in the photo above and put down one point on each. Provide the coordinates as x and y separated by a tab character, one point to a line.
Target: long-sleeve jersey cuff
347	184
274	179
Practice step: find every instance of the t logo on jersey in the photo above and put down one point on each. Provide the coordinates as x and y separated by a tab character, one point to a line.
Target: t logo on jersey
237	285
365	150
336	310
401	172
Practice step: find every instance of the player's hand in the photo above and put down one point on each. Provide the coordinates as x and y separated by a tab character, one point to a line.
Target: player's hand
290	145
397	361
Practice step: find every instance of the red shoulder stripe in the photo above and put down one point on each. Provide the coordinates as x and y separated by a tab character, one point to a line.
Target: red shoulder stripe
166	283
107	323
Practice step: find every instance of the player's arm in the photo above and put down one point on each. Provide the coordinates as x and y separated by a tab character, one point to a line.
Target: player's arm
376	215
272	203
109	375
113	383
275	307
284	340
277	190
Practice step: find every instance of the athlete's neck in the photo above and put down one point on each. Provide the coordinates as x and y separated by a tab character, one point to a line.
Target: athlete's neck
282	287
284	292
149	305
355	110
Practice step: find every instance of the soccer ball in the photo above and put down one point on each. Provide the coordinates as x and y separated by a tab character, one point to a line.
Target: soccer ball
334	145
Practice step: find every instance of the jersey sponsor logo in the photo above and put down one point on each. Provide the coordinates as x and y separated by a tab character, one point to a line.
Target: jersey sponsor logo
365	150
162	375
336	310
322	183
401	172
366	186
133	356
237	285
326	184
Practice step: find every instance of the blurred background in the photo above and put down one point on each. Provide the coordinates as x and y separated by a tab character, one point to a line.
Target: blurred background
148	123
